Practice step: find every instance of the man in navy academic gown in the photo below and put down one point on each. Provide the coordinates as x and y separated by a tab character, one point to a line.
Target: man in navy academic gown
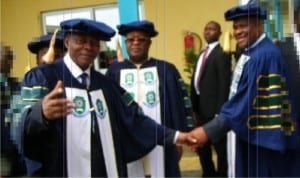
40	46
261	110
171	107
78	123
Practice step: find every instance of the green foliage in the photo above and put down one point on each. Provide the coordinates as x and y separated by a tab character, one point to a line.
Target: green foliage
110	53
190	61
191	56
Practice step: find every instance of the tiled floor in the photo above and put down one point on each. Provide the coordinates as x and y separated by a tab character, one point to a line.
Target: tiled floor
189	164
4	169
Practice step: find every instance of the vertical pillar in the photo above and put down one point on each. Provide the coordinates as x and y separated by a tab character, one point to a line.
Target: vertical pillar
269	20
278	20
128	11
291	16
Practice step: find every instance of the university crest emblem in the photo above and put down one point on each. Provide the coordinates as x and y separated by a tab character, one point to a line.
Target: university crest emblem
129	79
80	105
148	77
100	109
150	98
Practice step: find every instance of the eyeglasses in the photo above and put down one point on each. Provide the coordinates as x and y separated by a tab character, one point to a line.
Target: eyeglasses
139	40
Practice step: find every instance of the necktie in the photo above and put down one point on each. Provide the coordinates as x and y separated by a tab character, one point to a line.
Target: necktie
84	77
204	57
97	158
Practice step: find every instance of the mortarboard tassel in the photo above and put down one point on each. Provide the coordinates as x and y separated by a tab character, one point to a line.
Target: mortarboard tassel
119	51
50	55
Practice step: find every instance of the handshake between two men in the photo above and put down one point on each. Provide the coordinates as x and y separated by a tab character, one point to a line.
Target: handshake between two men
195	138
51	106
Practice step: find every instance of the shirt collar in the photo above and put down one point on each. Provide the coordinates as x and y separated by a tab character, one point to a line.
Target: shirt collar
75	70
212	45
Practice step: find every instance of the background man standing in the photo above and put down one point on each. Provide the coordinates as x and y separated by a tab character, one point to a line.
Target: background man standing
210	88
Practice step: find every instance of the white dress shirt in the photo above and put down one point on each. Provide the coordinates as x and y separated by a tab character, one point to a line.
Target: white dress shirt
75	70
210	46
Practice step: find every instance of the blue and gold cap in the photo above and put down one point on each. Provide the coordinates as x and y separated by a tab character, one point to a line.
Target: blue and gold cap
249	10
143	25
99	30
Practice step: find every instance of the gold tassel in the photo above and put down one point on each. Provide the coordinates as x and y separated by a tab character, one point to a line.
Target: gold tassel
49	57
119	51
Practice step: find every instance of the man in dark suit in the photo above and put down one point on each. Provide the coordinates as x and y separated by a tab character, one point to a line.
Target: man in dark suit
210	89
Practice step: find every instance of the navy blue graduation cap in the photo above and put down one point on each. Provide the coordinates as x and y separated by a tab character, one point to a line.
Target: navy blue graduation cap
44	41
88	27
249	10
142	25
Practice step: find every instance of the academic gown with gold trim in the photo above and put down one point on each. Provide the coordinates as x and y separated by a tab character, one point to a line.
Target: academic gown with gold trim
264	117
